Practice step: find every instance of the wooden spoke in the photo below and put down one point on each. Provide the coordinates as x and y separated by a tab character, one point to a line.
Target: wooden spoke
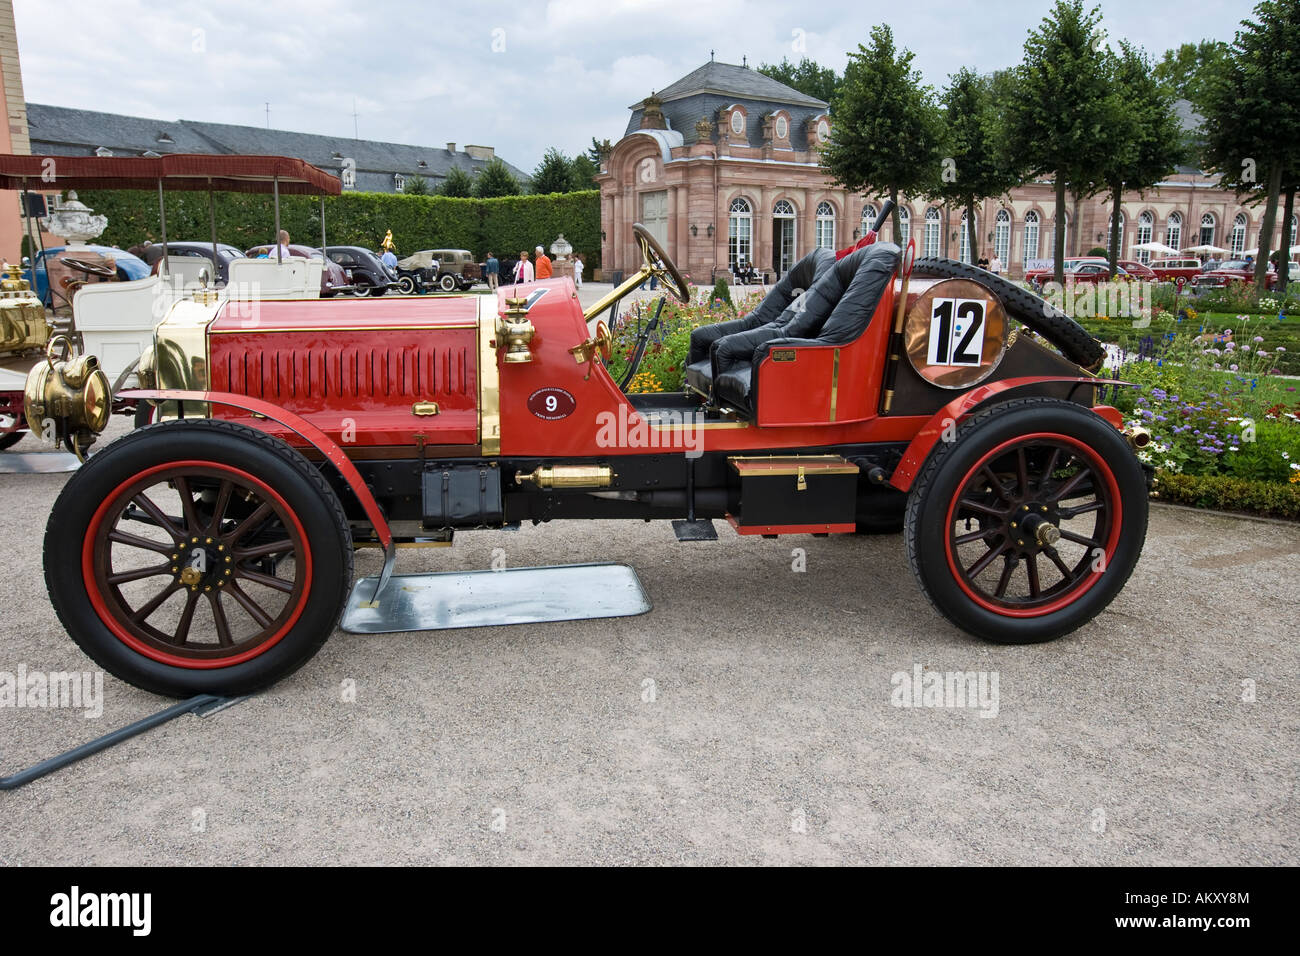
1022	471
264	550
187	616
160	519
1061	566
975	569
259	514
142	613
266	580
1064	491
187	504
1031	568
976	535
224	637
996	483
219	508
979	506
1079	539
248	604
138	574
1077	510
135	541
1008	567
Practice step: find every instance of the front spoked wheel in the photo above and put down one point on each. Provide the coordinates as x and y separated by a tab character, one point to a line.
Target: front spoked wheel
198	557
1029	523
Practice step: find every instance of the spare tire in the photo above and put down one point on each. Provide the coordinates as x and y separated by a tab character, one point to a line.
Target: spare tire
1034	311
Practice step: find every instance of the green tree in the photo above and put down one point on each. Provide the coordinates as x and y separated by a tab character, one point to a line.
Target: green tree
457	183
806	76
1059	107
1183	71
583	172
1252	114
416	185
495	179
554	174
1143	133
886	135
600	148
973	166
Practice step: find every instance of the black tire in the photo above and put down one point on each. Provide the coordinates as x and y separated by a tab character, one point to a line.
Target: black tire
361	288
378	290
447	283
951	493
1037	313
300	507
406	285
145	413
9	439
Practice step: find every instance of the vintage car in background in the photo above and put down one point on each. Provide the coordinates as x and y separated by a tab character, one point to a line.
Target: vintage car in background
126	267
418	273
1089	269
369	276
334	279
1137	270
1171	270
213	552
225	254
457	269
1231	272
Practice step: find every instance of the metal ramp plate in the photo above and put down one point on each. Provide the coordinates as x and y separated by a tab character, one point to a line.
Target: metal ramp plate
451	599
37	462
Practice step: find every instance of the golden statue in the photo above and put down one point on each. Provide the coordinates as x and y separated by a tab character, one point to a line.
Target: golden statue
388	242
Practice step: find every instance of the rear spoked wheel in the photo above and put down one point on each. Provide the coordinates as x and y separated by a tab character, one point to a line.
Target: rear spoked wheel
198	557
1029	523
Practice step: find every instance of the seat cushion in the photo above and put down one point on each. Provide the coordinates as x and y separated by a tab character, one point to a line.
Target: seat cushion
733	387
699	376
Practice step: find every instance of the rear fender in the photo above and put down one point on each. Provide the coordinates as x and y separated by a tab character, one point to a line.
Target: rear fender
946	419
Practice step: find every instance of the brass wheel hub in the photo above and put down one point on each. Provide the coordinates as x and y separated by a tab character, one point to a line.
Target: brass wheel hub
1032	527
202	563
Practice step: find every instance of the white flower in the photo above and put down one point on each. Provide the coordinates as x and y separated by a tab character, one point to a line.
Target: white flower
1286	455
1233	448
1295	466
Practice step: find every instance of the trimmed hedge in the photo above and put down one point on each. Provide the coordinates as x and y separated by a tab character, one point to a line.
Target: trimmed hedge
1267	498
505	225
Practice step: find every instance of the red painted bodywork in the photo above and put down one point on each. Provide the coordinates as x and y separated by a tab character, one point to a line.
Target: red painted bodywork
355	371
273	415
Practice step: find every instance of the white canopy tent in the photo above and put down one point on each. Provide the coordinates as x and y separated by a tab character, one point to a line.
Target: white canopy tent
1157	247
1205	250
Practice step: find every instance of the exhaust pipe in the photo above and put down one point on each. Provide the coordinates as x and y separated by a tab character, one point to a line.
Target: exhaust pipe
1138	437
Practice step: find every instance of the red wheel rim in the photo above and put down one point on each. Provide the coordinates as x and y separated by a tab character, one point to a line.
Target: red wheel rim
1033	525
192	581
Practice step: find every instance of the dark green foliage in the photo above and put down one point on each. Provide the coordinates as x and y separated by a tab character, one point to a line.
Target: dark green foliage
495	179
554	174
418	222
806	76
457	184
721	293
1266	498
416	186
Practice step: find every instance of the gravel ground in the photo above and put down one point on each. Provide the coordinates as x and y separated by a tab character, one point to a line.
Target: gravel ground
746	719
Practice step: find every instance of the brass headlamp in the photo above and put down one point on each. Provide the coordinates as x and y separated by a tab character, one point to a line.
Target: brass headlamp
72	393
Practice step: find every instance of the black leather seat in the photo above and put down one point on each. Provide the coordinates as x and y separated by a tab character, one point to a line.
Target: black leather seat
836	311
773	308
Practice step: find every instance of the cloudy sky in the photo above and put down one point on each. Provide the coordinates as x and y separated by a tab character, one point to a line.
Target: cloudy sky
520	77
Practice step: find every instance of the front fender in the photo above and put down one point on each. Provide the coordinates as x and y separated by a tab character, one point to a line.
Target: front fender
962	406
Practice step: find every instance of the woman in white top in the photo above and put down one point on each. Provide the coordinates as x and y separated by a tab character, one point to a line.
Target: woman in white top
524	269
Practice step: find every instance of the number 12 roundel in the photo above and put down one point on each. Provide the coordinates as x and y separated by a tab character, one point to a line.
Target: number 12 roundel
955	333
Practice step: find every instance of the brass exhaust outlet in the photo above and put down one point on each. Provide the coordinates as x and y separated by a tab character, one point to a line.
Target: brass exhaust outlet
72	394
568	476
1137	436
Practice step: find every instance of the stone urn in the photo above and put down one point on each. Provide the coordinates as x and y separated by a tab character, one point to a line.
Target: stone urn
74	222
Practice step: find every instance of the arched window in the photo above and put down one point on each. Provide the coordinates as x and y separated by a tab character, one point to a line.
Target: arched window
905	226
783	219
1115	238
740	233
825	226
1238	243
932	232
1207	229
1031	236
1174	231
869	214
964	246
1145	223
1002	237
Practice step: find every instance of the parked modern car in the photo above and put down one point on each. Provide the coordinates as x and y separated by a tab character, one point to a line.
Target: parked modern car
334	279
128	267
1233	271
226	254
1171	270
369	275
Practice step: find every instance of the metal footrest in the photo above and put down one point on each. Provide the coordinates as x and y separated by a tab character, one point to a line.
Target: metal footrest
431	602
699	530
37	462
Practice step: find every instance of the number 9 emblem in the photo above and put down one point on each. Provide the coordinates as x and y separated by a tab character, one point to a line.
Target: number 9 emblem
955	333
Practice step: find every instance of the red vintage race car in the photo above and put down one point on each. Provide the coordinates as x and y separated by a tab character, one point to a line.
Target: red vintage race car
212	552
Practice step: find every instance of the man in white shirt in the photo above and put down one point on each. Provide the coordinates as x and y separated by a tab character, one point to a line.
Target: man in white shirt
281	251
996	266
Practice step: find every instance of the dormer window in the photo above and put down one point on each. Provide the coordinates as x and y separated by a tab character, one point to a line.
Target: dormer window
422	164
399	182
103	151
164	138
738	122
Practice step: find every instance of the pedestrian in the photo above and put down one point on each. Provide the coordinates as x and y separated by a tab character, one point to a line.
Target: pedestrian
281	251
578	266
543	264
524	268
996	265
493	269
389	258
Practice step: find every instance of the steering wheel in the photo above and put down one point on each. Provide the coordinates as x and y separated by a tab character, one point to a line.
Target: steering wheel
661	262
90	268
